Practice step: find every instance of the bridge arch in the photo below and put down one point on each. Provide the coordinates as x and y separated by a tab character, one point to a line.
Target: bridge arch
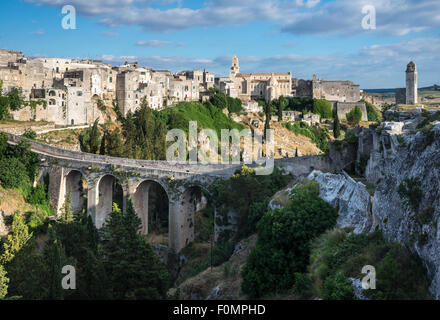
76	185
151	203
109	191
193	201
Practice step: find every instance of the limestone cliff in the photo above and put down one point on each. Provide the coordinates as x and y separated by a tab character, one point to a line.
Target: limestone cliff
416	226
397	158
350	197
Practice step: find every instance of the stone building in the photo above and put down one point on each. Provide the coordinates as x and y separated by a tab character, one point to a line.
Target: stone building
409	95
135	85
341	91
183	90
255	86
204	79
7	56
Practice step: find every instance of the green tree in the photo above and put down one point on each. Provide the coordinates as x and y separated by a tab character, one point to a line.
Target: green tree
53	256
282	104
90	139
338	287
336	125
372	113
267	121
354	116
16	100
219	100
160	142
3	144
129	133
111	143
251	202
234	105
271	266
4	280
4	108
17	238
323	108
133	268
80	240
13	173
30	134
66	214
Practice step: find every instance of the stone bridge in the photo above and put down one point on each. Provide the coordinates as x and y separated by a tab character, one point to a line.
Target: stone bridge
95	182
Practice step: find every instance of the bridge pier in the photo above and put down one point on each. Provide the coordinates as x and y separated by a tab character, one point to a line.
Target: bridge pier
92	200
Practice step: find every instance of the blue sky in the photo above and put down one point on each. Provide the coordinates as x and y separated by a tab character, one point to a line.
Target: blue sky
305	37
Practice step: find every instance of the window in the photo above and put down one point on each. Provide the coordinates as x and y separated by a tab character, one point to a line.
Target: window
79	93
111	79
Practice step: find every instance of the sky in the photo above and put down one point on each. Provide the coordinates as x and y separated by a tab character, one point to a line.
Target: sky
323	37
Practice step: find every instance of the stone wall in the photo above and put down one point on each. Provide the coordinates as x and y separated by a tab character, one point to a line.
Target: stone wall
342	108
401	96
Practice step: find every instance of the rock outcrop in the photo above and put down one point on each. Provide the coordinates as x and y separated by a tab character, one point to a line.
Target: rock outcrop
416	225
404	159
350	197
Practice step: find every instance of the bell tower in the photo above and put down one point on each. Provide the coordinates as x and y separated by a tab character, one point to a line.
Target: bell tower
235	67
411	83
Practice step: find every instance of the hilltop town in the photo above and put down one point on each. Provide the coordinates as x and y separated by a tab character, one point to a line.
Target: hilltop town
83	153
76	92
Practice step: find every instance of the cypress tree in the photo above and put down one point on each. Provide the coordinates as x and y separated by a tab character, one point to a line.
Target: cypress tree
268	117
134	270
17	239
52	255
4	280
336	126
66	214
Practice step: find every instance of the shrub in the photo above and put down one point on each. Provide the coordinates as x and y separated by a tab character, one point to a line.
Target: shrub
250	203
354	116
3	283
340	254
13	173
338	287
317	135
271	266
372	113
410	192
222	251
302	286
323	108
30	134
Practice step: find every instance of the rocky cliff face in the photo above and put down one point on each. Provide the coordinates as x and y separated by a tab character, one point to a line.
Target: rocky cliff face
415	226
396	158
350	197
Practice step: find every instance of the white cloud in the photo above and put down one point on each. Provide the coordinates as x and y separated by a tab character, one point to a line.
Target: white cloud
397	17
110	34
394	17
376	66
159	43
164	19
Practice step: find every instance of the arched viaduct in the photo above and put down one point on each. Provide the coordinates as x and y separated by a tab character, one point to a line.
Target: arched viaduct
95	182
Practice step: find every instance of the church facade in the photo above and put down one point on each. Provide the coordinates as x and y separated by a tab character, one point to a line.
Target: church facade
255	86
